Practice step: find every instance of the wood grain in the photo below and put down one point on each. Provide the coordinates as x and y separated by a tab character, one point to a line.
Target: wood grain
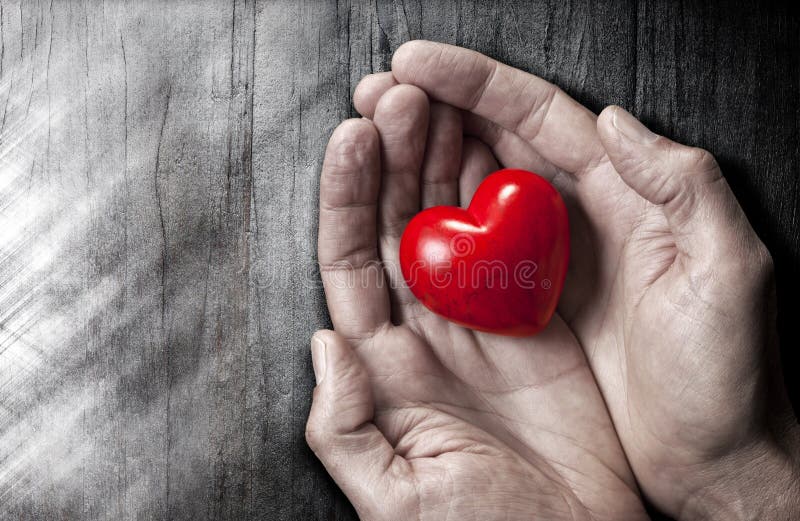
158	183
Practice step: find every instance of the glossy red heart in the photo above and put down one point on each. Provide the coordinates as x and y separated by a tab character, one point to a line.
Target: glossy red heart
497	266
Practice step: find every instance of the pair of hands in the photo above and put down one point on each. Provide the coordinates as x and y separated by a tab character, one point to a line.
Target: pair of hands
654	376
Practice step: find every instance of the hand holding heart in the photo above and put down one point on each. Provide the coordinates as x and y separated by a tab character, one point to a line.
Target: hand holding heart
652	369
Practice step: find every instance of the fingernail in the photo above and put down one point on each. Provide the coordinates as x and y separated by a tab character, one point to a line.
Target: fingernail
318	358
632	128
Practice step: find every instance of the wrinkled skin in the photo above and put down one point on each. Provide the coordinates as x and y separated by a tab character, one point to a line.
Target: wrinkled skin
658	348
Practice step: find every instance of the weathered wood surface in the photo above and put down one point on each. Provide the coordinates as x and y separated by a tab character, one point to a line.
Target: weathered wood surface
158	183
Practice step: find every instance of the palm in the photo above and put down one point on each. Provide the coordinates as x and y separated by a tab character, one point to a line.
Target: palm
523	417
528	411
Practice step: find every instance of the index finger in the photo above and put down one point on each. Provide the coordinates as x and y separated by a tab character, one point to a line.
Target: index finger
562	130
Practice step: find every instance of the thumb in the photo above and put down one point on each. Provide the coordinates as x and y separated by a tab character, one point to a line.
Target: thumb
703	215
340	429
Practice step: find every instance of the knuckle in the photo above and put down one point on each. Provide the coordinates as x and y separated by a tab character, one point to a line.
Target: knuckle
654	176
532	121
643	164
351	390
401	100
314	435
761	261
701	161
316	425
480	67
750	266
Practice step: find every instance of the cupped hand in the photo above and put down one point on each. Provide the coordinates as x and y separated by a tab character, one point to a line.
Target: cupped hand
414	417
668	290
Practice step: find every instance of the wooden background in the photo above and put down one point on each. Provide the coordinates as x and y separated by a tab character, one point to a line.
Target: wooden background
158	190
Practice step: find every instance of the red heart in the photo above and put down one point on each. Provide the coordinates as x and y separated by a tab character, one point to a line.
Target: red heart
497	266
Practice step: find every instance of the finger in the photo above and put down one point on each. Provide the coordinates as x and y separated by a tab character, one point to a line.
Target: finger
561	129
706	220
440	167
369	90
401	118
477	161
508	148
342	434
347	247
511	150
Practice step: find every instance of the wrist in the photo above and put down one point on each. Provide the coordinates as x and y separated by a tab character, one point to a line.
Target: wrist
758	482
